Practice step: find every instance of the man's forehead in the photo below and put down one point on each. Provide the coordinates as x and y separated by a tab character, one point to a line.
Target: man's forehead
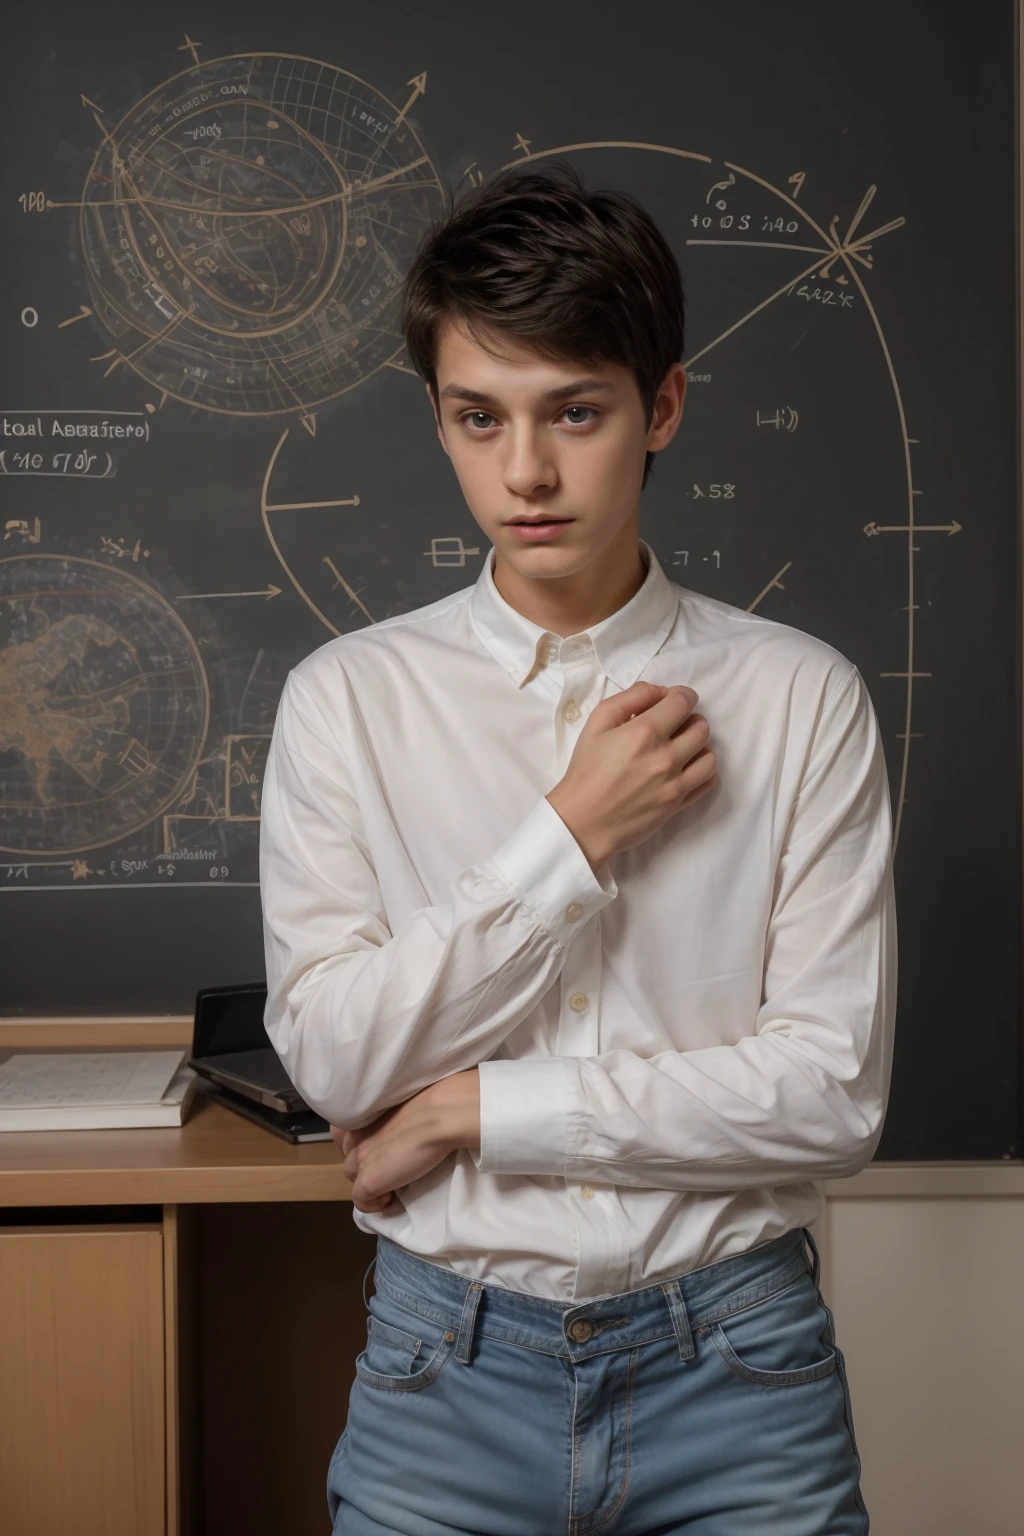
498	355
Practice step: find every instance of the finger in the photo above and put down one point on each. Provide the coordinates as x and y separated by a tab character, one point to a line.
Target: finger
372	1202
669	713
623	706
690	750
706	767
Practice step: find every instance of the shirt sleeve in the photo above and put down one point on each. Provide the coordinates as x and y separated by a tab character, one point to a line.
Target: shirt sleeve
362	1016
804	1096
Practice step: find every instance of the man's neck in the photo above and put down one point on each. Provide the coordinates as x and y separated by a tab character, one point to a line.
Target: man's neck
571	604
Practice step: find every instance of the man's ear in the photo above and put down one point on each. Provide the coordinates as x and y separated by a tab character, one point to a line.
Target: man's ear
437	418
668	409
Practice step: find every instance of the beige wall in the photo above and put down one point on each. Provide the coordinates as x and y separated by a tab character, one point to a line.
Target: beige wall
924	1270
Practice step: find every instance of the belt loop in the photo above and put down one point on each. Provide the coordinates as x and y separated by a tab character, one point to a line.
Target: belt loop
680	1321
464	1342
815	1257
373	1262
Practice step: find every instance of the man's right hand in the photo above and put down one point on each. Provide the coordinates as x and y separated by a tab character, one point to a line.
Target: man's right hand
641	756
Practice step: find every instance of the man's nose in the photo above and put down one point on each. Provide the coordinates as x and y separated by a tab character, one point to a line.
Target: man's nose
529	466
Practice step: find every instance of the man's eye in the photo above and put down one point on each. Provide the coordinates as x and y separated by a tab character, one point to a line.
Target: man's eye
474	417
585	408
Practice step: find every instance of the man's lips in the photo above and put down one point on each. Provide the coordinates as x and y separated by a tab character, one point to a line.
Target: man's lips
531	522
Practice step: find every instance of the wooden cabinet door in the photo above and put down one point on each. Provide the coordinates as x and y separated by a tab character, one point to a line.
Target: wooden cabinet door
82	1381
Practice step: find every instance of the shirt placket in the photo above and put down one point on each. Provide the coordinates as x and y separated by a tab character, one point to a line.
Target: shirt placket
580	979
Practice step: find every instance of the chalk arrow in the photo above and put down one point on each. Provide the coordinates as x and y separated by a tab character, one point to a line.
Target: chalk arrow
420	84
871	529
268	592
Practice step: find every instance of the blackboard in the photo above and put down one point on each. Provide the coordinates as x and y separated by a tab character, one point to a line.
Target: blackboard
215	455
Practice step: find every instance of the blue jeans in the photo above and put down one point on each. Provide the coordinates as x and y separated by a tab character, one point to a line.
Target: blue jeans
715	1404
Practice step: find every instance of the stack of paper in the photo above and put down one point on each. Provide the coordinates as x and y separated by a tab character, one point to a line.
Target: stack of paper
94	1090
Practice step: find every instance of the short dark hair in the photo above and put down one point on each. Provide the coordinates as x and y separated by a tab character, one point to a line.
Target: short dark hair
575	273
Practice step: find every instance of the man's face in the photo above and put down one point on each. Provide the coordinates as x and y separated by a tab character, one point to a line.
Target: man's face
533	438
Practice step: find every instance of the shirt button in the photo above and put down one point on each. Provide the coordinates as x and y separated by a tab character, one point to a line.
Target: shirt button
573	912
571	712
578	1002
587	1191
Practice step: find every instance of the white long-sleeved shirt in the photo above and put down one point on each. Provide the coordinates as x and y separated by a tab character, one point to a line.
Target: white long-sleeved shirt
672	1050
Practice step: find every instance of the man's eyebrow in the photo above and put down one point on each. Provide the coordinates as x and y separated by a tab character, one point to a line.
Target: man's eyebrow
550	396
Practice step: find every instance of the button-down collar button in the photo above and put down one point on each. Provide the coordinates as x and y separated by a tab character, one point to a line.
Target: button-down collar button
573	912
587	1191
571	712
578	1002
581	1330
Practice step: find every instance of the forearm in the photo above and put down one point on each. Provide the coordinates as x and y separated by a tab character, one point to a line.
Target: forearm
728	1117
356	1043
367	1008
800	1098
365	1029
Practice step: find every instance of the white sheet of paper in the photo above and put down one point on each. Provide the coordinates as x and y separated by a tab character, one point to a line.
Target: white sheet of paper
32	1081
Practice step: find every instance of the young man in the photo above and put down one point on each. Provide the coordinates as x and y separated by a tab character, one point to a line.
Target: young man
594	986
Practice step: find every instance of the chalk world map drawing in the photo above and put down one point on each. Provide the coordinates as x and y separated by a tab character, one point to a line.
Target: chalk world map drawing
105	704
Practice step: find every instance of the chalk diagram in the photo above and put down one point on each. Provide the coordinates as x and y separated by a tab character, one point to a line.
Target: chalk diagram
245	227
103	705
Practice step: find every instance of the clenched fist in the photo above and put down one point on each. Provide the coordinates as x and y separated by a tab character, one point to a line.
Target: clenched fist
641	756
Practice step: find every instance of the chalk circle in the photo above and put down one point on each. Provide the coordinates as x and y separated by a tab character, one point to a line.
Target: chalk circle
245	229
107	704
29	317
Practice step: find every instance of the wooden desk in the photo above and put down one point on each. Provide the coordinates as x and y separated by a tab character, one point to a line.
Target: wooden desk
215	1156
180	1311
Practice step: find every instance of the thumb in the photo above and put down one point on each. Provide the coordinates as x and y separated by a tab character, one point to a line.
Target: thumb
622	706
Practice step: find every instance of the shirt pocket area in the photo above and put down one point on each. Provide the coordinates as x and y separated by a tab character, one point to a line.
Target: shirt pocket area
783	1341
398	1360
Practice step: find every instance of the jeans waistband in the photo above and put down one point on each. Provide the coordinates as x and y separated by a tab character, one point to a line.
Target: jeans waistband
682	1305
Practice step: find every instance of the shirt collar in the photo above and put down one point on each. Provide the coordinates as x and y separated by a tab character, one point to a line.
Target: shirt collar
624	642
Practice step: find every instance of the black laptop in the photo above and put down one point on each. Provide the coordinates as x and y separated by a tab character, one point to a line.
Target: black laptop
232	1053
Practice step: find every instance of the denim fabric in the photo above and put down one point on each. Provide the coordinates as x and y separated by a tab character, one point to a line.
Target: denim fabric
715	1404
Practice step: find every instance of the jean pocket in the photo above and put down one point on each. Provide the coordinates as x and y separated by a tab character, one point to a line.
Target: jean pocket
783	1341
398	1360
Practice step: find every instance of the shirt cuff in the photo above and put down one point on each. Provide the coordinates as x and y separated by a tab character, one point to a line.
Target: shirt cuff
523	1115
546	866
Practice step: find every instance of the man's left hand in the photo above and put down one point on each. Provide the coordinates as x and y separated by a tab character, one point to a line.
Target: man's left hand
410	1139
